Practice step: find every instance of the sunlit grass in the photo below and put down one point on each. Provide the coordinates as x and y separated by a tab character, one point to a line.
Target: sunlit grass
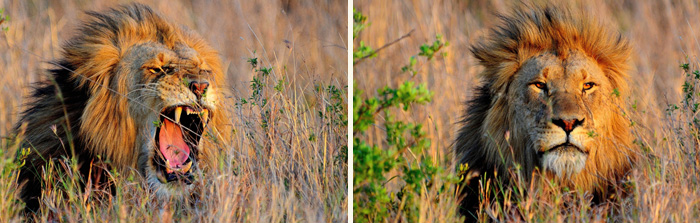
662	187
286	160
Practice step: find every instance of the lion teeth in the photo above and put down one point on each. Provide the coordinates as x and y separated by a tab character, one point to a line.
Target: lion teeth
186	167
204	113
178	112
182	169
191	111
167	167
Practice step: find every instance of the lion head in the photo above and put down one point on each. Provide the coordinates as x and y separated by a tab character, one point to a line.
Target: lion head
134	89
550	99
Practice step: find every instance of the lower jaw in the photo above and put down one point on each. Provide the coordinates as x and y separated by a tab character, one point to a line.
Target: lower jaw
163	177
186	179
172	191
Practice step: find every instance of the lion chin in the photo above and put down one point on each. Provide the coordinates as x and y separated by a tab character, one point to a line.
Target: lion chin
563	154
564	160
138	92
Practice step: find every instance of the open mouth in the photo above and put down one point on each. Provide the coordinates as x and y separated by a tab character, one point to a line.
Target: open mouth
177	138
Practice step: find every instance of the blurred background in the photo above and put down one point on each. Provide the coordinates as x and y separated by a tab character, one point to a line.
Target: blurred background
287	157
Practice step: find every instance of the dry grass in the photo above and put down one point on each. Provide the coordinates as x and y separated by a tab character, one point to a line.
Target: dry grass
286	166
664	35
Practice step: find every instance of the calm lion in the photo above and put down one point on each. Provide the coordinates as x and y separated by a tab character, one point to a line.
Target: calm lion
132	89
550	100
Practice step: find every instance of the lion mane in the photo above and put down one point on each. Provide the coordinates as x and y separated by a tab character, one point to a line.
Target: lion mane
106	95
491	141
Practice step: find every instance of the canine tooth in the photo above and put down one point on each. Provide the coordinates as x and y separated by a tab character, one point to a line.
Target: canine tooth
186	167
178	112
167	167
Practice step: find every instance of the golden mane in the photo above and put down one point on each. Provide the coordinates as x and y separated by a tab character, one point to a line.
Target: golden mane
531	29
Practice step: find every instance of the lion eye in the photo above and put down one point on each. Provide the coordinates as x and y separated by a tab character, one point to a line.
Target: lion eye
540	85
588	86
167	70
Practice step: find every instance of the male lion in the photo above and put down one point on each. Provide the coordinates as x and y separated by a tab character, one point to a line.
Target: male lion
131	88
549	100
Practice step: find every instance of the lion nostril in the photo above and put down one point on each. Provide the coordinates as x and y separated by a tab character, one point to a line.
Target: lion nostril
199	87
568	124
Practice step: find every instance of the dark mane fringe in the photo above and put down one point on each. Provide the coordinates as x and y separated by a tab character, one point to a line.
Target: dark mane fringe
469	148
44	113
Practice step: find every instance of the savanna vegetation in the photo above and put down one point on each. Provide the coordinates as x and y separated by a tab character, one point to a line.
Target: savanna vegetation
286	68
414	119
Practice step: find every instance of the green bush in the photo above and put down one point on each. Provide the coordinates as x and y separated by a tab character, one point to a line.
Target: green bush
400	156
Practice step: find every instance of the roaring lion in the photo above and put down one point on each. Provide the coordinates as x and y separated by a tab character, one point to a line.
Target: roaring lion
132	89
550	100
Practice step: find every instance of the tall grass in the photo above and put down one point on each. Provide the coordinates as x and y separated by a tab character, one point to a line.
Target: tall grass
287	158
663	185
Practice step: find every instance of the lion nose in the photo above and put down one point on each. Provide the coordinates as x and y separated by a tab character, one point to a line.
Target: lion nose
568	124
199	87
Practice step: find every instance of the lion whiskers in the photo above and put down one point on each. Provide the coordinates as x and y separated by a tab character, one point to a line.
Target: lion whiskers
145	90
150	88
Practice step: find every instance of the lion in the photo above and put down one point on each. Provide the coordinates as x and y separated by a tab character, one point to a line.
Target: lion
549	102
132	89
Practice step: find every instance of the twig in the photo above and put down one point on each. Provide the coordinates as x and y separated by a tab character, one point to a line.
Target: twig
383	47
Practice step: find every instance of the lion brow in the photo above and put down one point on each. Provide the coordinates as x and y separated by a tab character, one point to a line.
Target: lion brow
189	66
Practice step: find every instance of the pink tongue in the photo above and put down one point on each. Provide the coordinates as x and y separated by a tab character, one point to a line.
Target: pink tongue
172	145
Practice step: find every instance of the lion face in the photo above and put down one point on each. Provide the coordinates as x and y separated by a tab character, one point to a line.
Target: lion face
559	101
549	104
175	103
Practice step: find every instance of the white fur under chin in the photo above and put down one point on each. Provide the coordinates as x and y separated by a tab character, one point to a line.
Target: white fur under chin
564	164
169	191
